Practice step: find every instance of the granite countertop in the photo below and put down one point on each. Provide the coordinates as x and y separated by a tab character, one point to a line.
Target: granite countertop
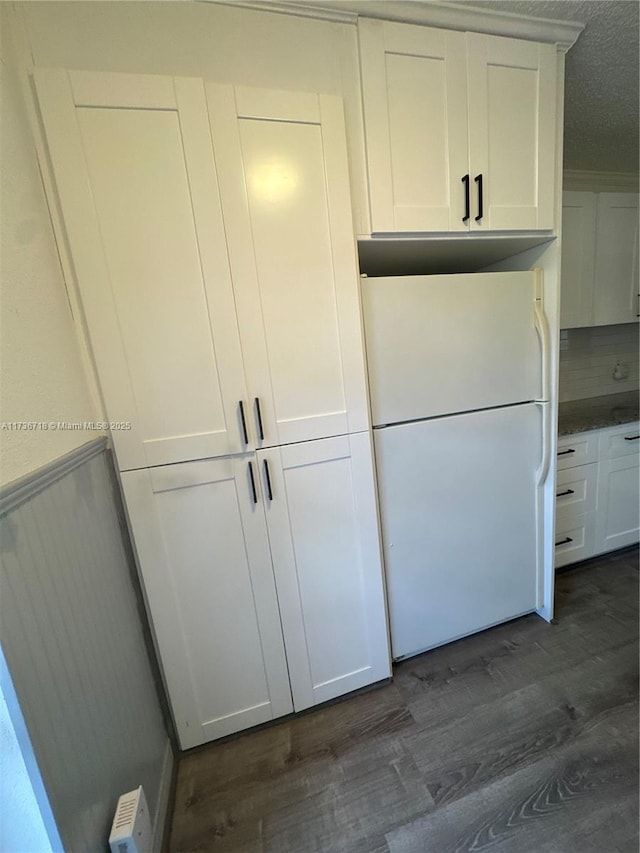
597	412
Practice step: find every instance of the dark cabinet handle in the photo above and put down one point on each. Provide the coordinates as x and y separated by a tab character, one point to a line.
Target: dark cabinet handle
244	423
259	418
253	484
631	437
268	479
478	180
565	452
467	202
564	541
562	494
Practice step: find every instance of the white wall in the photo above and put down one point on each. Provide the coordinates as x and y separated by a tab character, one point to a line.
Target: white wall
41	372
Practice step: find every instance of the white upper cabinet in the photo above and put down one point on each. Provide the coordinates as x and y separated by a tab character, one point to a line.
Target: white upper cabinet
460	129
285	194
137	185
578	238
599	284
616	289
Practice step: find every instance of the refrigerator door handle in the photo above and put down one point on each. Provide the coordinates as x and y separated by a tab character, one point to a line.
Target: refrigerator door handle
543	470
542	328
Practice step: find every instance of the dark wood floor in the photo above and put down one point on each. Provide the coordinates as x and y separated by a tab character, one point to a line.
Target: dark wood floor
522	738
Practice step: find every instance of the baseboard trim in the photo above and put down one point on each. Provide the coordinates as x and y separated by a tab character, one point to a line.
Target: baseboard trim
161	823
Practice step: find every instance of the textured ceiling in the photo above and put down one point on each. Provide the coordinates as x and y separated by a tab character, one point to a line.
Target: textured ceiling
601	81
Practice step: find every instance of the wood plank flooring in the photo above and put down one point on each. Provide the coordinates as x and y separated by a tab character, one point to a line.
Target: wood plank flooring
521	739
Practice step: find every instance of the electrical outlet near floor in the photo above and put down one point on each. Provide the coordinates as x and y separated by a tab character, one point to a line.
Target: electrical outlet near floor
620	371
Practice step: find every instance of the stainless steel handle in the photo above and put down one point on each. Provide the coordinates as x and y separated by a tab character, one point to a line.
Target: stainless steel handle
254	494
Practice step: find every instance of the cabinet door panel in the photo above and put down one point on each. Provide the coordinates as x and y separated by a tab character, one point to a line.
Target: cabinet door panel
578	239
512	137
134	168
285	193
204	556
324	541
616	298
617	522
414	93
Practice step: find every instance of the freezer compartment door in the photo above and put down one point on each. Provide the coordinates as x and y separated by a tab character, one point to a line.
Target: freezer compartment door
450	343
458	510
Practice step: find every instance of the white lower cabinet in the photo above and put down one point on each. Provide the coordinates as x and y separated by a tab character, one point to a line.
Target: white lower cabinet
597	503
618	520
239	551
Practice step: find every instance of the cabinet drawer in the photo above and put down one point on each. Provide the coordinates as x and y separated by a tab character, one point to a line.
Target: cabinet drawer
622	441
579	449
574	539
576	491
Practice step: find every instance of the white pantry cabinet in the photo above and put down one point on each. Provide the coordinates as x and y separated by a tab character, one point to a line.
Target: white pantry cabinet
223	594
599	259
321	515
207	350
284	184
460	129
137	185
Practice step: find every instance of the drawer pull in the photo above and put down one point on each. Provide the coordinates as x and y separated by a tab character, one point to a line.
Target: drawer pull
259	418
564	541
567	492
467	206
631	437
565	452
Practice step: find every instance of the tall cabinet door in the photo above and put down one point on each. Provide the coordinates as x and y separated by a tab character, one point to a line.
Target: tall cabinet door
202	542
285	192
415	109
578	238
322	521
137	184
512	136
616	297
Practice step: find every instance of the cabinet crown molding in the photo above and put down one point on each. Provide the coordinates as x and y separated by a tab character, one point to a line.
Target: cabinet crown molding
433	13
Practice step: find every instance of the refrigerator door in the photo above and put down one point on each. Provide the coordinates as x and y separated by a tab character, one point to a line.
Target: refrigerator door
450	343
458	511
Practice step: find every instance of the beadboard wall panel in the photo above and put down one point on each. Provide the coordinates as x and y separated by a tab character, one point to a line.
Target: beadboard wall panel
73	639
588	358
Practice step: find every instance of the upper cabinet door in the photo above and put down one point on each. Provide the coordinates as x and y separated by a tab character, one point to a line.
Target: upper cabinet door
415	109
512	132
578	239
615	296
285	193
134	169
460	129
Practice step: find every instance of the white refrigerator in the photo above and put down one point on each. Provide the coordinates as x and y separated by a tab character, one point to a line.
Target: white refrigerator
459	397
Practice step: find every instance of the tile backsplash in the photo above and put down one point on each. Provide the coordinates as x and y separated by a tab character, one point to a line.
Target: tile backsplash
588	359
